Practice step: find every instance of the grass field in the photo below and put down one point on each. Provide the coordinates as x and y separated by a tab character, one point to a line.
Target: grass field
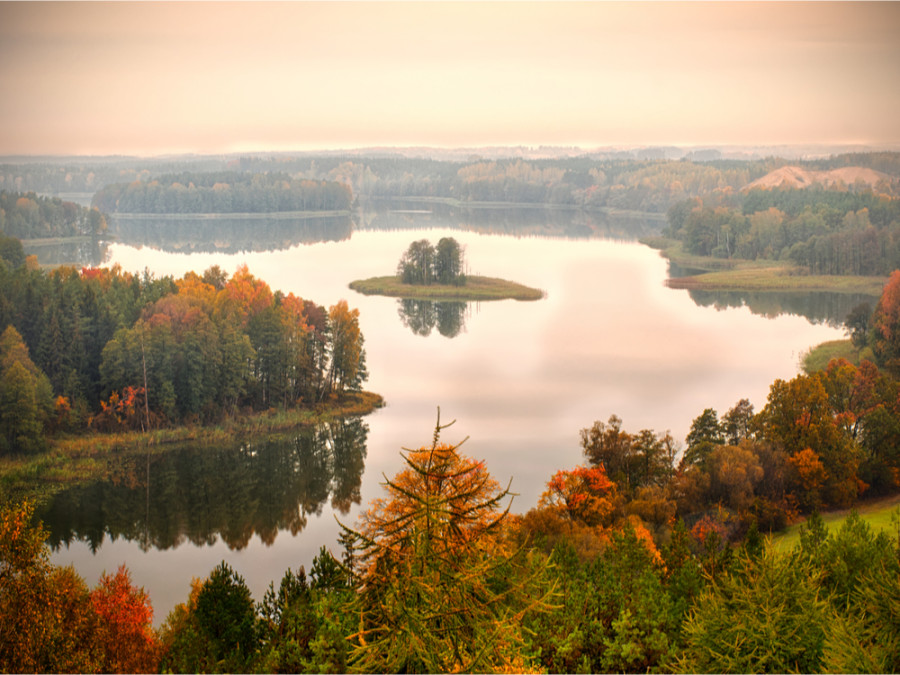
476	288
756	275
877	514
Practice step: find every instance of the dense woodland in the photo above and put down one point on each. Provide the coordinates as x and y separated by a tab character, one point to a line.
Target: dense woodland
823	231
31	216
642	559
105	350
225	192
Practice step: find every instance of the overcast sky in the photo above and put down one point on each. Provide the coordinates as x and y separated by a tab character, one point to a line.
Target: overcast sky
157	78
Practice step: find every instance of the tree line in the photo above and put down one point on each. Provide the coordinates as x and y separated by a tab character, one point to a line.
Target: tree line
223	192
31	216
824	231
105	349
592	181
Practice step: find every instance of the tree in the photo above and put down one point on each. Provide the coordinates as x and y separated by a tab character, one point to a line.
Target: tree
226	617
448	262
584	494
799	415
46	622
416	266
439	590
348	356
705	434
765	615
631	460
885	328
736	422
125	635
808	476
26	398
857	324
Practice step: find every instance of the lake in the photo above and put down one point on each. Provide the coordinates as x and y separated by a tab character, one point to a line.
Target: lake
520	379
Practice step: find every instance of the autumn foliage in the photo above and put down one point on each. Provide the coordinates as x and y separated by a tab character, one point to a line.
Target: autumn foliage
51	622
125	635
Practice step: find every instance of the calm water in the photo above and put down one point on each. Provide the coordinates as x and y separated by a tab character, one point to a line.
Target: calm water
521	379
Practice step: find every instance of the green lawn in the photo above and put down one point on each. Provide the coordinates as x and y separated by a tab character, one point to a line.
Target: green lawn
876	513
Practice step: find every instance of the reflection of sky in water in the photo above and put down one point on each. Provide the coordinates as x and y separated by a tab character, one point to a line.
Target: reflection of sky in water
522	379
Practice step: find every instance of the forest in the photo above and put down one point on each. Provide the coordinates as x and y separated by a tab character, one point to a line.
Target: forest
223	192
822	231
637	560
31	216
106	350
611	180
642	558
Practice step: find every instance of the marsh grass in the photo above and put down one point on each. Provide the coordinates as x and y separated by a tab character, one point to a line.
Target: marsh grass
476	288
75	459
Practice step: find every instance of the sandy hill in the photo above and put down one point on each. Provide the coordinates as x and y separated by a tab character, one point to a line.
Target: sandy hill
795	177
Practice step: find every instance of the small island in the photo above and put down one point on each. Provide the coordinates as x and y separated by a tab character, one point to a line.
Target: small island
427	272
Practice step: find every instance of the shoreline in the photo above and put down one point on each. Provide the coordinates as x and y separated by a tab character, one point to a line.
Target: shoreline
715	274
70	460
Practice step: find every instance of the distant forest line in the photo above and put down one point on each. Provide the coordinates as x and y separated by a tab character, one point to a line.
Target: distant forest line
835	230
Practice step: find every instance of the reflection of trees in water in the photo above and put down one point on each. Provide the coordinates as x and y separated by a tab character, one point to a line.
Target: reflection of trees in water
538	221
817	306
79	251
229	235
199	493
421	316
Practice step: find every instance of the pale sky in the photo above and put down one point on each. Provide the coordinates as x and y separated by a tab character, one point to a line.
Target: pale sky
158	78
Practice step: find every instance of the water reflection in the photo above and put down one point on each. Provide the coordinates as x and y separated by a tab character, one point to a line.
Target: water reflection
198	234
78	251
542	221
198	494
818	307
421	316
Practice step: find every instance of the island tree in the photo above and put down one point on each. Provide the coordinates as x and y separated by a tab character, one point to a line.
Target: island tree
424	264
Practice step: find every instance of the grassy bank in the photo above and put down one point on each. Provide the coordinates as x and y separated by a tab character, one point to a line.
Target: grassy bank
81	458
818	357
876	513
756	275
476	288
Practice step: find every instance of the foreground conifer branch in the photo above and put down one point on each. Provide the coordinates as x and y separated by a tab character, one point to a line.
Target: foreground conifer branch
440	589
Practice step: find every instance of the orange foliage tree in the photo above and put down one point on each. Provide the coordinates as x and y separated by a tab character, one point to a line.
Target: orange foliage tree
125	635
585	494
809	476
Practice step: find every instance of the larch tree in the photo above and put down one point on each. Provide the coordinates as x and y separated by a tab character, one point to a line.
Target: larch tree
440	591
